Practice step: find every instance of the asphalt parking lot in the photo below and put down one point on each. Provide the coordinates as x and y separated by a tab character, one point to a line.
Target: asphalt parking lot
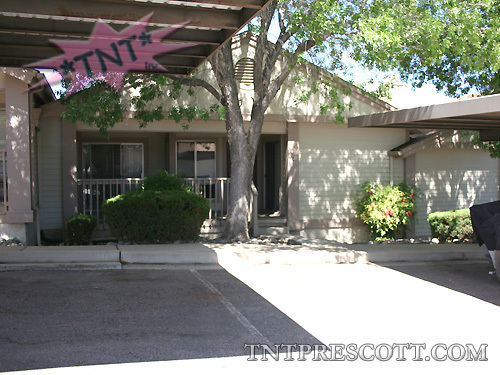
73	318
199	318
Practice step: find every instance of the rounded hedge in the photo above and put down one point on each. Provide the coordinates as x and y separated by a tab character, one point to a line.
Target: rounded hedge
163	181
146	216
451	225
79	229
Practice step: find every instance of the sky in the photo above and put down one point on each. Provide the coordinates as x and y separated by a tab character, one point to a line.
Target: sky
406	97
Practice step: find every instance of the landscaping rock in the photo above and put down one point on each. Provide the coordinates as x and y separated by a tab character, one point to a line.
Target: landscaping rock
11	242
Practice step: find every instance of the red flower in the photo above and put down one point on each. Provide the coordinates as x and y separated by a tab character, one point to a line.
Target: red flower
409	213
404	200
390	212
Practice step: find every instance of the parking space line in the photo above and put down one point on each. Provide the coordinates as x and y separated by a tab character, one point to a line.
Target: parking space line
261	339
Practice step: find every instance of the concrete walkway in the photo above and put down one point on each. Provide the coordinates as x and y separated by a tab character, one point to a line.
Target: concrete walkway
309	252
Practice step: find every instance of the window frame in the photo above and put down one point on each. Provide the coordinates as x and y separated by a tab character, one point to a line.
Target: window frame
195	141
110	144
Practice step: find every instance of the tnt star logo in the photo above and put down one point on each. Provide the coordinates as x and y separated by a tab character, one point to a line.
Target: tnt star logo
107	55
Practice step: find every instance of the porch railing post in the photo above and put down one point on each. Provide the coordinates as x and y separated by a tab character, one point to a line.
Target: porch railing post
255	206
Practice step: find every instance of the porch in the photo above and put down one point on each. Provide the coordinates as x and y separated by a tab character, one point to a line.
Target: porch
95	168
93	192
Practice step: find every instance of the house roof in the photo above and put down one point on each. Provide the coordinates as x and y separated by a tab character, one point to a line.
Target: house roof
419	142
27	26
43	94
482	114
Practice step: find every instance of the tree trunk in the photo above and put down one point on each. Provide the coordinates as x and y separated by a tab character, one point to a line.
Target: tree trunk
242	162
242	146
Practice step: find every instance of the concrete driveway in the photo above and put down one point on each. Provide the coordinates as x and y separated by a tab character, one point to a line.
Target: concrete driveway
181	319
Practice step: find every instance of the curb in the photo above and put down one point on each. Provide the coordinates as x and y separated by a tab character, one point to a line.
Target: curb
163	256
61	254
60	266
170	254
386	257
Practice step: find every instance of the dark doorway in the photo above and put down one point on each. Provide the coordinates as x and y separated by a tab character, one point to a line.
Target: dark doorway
272	181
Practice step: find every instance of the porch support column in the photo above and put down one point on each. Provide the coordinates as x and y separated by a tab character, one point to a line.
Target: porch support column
18	151
69	157
292	170
410	171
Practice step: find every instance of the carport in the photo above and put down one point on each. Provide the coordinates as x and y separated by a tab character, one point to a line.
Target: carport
481	114
27	26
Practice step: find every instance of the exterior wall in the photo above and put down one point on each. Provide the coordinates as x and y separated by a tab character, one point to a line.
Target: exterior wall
453	179
284	106
18	119
334	161
23	232
17	104
50	174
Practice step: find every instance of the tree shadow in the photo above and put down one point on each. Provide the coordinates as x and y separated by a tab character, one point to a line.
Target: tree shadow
470	278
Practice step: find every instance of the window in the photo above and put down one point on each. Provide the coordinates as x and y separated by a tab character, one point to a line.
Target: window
105	160
196	159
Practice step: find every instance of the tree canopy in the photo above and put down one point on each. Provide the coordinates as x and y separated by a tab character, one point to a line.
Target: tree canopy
453	44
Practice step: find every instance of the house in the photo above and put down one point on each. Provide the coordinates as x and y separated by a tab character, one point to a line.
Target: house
440	160
19	112
307	169
307	174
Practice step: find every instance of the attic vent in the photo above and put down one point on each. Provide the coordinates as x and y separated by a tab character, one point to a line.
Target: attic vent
244	71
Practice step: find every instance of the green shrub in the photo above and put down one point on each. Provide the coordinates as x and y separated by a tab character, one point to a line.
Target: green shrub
163	181
79	229
146	216
386	209
450	225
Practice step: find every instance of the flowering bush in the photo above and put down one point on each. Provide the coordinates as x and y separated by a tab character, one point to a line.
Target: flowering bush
386	209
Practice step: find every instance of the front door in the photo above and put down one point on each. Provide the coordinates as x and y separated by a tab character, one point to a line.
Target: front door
272	174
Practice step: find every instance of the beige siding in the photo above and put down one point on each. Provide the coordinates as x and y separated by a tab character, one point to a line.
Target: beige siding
50	174
452	179
335	160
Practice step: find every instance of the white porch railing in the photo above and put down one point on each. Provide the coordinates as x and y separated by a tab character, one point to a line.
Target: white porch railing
216	191
3	181
93	192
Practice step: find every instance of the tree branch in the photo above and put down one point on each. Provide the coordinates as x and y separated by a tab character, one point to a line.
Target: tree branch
278	81
198	83
261	49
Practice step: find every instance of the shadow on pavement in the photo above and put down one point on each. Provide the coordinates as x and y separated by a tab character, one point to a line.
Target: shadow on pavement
469	277
61	319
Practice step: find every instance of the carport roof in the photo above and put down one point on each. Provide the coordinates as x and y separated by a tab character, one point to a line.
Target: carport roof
26	26
482	114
